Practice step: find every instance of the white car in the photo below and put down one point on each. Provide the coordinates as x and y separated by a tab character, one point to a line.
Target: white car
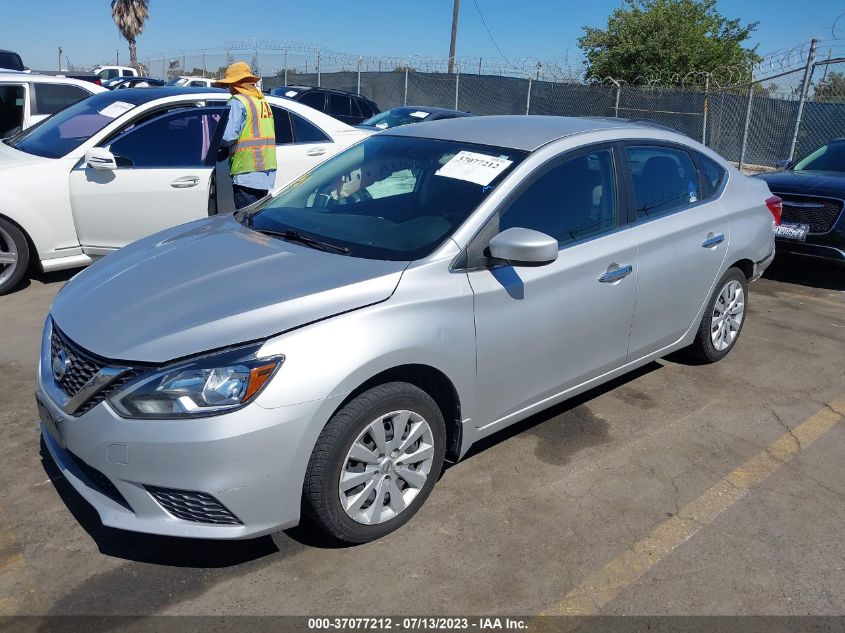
27	98
124	164
111	72
187	81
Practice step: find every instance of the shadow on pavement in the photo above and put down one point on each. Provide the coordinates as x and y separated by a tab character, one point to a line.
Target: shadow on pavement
805	271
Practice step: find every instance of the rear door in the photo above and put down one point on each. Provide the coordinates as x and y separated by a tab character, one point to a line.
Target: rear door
682	241
162	179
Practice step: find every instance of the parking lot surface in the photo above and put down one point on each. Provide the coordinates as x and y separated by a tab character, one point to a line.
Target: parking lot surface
679	489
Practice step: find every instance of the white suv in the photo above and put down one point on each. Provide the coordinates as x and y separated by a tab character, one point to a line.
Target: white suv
27	98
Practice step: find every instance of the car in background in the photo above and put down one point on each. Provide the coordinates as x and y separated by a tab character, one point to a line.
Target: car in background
348	107
187	81
411	114
122	164
327	349
111	72
27	98
812	191
10	60
121	83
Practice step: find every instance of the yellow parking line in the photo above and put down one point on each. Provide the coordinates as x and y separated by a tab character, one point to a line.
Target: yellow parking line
601	587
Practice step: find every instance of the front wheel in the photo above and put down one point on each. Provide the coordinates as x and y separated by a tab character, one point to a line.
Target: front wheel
375	462
14	256
723	318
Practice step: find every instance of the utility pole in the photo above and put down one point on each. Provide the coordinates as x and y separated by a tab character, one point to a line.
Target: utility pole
60	59
117	57
455	10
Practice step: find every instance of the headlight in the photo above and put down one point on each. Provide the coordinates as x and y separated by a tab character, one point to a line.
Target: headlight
204	386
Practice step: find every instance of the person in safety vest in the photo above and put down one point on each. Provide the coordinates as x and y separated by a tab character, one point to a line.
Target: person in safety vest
251	135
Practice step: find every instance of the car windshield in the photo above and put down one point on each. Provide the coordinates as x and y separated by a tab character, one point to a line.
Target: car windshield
69	128
830	157
396	117
389	198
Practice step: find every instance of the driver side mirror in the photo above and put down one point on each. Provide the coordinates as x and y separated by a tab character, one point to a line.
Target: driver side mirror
100	158
524	247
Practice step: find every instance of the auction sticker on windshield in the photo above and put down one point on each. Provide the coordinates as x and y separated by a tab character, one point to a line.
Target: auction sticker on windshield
114	110
473	167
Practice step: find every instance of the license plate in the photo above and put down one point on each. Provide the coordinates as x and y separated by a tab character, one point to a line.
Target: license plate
792	231
54	425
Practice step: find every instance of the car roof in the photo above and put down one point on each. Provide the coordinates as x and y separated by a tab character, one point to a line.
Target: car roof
20	77
512	131
429	109
312	88
138	96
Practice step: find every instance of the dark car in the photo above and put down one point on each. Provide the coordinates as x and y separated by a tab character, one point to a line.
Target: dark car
9	60
813	194
410	114
348	107
118	83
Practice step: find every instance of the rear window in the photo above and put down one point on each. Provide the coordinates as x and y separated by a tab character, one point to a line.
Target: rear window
712	176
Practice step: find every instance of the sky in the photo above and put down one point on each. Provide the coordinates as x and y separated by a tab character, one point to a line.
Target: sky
543	29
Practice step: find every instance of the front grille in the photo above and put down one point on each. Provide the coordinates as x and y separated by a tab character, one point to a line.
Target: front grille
80	368
198	507
100	482
819	213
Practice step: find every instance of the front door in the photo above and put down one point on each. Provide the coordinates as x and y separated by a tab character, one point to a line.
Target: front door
163	174
542	330
682	242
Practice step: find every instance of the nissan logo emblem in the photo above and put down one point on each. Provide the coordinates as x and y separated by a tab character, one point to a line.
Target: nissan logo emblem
60	365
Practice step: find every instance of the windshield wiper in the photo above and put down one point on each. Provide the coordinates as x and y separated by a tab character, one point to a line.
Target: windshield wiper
292	235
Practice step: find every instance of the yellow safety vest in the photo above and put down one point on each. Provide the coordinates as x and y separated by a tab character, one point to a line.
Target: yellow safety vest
255	149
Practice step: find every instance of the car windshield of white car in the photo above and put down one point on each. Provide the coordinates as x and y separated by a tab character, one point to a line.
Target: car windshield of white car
69	128
390	198
830	157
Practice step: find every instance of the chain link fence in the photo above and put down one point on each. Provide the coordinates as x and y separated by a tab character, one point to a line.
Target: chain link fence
782	115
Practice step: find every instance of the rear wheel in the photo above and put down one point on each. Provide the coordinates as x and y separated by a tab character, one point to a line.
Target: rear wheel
375	463
723	319
14	256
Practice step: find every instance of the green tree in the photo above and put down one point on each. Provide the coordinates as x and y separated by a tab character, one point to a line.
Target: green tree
130	16
647	39
831	88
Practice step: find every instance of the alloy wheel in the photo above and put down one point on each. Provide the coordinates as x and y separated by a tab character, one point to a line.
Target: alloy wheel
386	467
8	256
728	311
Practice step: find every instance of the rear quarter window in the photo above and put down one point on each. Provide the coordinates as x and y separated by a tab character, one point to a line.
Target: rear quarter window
713	176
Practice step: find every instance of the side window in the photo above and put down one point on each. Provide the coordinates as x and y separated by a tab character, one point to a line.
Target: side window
305	132
366	110
315	99
338	105
281	121
176	139
664	179
11	109
197	84
126	73
713	176
571	201
50	98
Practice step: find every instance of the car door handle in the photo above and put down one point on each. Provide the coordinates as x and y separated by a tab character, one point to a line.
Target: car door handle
317	151
185	182
617	274
713	240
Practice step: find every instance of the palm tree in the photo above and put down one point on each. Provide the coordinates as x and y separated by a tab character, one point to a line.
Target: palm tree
130	15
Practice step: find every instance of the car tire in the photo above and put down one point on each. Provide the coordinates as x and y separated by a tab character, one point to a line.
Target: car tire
718	333
14	256
352	472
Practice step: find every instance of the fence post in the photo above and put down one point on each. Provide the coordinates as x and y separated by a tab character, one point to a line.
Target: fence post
405	98
706	95
358	91
286	66
528	100
204	73
805	88
163	70
318	69
747	124
457	85
618	94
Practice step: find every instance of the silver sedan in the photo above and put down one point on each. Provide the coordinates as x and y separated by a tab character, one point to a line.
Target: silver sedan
331	347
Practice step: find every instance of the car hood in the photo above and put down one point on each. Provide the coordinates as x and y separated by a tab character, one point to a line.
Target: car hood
11	157
813	183
210	284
